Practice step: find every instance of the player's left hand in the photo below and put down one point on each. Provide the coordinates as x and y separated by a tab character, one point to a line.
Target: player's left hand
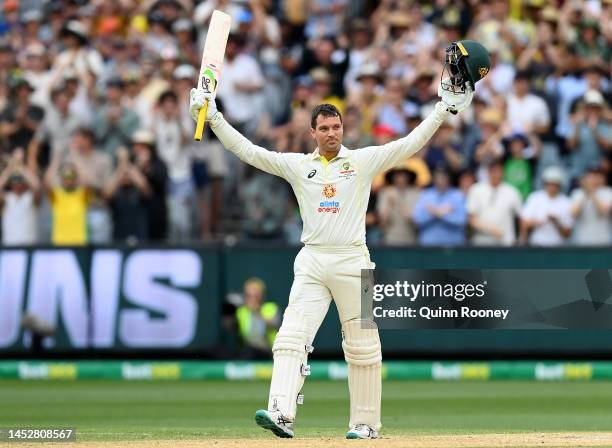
455	102
197	99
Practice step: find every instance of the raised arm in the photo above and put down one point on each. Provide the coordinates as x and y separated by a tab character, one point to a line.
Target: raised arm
381	158
279	164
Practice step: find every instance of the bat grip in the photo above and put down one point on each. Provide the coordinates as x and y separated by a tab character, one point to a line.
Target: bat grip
201	120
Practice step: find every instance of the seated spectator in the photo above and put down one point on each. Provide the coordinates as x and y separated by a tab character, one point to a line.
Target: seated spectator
591	206
395	205
19	203
444	149
591	135
440	213
258	321
493	206
546	218
322	88
69	201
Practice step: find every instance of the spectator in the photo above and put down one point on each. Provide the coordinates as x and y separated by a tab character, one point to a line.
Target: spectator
258	321
37	72
395	205
322	89
440	213
367	97
546	218
128	191
147	161
58	124
98	166
242	81
115	124
591	206
171	135
19	204
325	18
493	207
591	137
69	201
20	118
519	165
444	148
527	112
264	213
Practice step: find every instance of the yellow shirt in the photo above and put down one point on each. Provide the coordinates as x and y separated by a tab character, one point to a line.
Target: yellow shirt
69	216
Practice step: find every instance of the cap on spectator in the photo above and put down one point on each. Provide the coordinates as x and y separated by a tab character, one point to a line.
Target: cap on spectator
33	15
77	29
184	71
359	25
109	25
369	71
389	175
71	75
143	137
168	53
492	116
35	49
132	75
399	20
320	74
383	130
303	81
516	136
86	131
10	5
115	82
16	178
244	16
553	175
593	97
550	14
182	25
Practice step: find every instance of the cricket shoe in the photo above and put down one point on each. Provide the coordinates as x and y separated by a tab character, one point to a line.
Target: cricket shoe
362	431
275	422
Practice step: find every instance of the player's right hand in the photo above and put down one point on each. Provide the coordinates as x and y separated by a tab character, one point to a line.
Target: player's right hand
197	99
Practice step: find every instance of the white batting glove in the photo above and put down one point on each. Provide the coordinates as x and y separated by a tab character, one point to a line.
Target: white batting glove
455	102
197	99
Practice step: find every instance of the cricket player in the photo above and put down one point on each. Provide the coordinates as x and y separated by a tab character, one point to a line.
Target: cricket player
332	186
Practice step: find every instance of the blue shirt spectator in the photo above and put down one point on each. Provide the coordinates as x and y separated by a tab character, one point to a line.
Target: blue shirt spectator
440	214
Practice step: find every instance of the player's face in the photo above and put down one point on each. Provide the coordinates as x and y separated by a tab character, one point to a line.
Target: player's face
328	133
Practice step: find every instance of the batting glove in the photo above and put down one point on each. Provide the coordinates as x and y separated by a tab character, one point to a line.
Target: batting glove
455	102
197	99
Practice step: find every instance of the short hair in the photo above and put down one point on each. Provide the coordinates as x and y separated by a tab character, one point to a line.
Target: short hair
326	110
257	282
167	95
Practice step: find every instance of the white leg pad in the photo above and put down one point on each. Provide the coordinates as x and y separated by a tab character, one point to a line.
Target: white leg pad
291	348
362	352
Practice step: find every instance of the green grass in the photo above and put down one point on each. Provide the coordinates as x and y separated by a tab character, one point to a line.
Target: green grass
119	410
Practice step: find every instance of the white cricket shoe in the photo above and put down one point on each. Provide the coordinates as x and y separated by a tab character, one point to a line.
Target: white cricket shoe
362	431
275	422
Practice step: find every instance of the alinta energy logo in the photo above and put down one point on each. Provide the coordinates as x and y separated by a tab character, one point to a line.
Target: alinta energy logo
329	191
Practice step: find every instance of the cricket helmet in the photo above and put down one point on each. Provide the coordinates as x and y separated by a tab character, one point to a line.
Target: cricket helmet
467	62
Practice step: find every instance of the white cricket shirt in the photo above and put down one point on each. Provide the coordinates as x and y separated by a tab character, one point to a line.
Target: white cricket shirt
332	195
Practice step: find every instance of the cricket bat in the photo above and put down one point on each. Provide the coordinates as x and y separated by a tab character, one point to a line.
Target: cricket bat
212	61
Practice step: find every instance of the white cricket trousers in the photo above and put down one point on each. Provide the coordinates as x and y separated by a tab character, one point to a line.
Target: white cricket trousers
323	273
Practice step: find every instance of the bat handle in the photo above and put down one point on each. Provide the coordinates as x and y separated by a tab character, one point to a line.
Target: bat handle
201	120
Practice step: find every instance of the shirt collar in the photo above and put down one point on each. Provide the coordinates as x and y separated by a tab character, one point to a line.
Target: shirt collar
342	154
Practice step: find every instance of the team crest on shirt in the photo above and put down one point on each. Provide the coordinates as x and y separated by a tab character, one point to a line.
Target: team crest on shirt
346	170
329	191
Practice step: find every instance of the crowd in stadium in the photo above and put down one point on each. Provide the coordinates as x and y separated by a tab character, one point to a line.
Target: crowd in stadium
96	141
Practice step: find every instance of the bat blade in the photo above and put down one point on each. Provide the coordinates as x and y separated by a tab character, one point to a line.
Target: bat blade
212	61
